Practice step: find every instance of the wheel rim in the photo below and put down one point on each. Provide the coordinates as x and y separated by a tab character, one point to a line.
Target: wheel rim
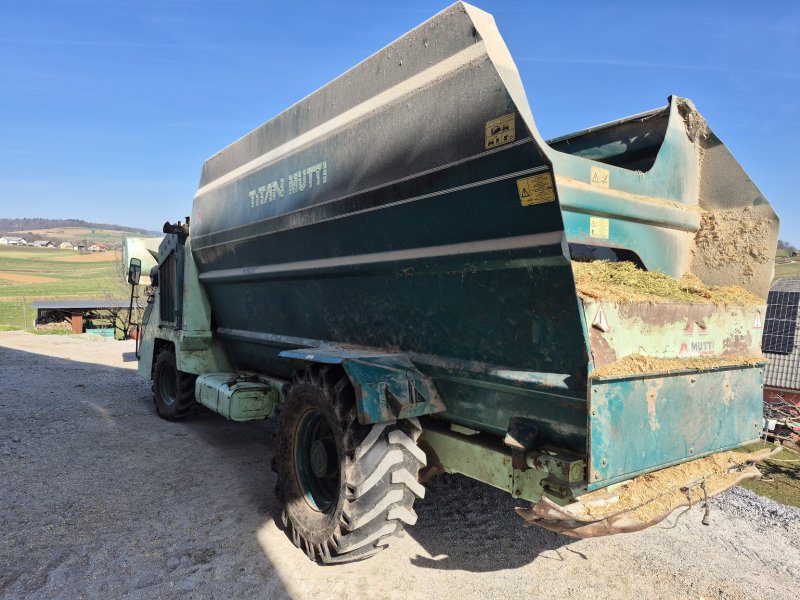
168	385
317	461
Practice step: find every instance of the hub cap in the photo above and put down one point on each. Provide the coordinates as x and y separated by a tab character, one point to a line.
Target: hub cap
317	461
168	385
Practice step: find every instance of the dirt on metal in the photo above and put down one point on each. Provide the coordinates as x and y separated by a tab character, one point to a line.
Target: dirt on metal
623	282
635	364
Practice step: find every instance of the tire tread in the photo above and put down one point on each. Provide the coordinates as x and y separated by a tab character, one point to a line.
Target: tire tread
379	469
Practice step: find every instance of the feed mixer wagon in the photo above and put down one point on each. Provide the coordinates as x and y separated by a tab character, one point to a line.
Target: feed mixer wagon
416	282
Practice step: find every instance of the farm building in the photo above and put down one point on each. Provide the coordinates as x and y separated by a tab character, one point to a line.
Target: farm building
780	345
43	244
65	246
13	241
81	315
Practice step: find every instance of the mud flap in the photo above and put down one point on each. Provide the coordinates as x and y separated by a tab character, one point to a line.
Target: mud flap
388	386
645	501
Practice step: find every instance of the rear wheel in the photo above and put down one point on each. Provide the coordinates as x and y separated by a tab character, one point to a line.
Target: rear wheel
173	390
348	489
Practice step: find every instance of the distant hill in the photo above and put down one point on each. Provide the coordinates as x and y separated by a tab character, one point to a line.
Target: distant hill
12	225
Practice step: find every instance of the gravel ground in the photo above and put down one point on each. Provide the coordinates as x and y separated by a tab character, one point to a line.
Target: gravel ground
102	499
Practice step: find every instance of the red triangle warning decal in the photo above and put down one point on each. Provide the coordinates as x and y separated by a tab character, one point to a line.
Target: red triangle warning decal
600	321
757	324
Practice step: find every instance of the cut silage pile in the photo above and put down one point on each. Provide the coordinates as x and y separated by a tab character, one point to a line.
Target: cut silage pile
635	364
623	282
735	238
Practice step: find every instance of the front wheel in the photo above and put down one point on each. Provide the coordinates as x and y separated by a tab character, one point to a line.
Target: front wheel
173	390
347	488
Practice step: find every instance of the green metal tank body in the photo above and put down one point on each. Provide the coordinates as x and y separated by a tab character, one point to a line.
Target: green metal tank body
378	212
411	206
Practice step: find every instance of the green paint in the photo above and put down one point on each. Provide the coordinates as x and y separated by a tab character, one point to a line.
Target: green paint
235	398
479	458
197	351
646	422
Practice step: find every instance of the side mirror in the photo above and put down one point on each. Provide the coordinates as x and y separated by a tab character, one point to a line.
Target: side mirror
134	271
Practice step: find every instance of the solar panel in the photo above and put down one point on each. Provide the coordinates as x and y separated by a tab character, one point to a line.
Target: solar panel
780	323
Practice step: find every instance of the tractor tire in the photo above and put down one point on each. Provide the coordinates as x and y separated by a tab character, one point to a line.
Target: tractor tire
348	489
173	390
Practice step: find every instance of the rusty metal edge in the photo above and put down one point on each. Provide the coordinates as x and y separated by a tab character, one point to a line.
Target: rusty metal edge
549	515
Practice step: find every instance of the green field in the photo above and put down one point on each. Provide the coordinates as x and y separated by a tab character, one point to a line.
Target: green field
787	269
28	274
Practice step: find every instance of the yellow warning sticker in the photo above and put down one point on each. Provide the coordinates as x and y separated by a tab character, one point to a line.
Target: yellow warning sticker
600	177
598	228
536	190
500	131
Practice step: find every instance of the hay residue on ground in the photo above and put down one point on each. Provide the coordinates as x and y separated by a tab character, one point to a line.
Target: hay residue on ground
734	238
637	364
652	494
623	282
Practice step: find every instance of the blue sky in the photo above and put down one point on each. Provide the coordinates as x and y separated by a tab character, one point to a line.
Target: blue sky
109	107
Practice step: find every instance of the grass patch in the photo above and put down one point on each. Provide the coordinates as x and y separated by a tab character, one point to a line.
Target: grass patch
12	315
791	269
781	481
